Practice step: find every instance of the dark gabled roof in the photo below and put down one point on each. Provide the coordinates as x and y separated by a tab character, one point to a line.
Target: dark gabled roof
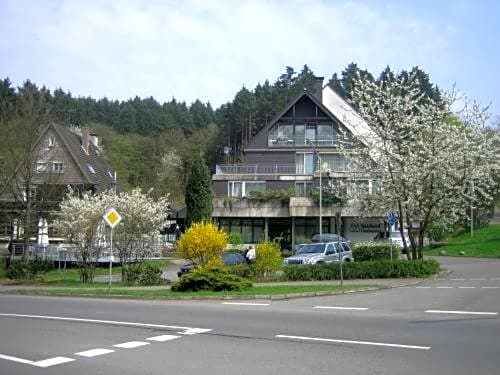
298	97
103	178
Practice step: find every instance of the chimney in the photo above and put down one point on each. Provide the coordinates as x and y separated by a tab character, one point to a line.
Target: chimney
318	88
85	139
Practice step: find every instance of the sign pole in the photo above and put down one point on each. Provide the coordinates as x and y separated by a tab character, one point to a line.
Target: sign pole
111	260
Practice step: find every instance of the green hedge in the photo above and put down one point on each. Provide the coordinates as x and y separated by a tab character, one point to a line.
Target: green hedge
362	270
373	250
214	279
29	270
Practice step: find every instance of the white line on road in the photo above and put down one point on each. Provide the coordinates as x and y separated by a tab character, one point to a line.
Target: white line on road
245	304
94	352
163	338
353	342
489	287
15	359
479	279
461	312
466	287
422	287
444	287
190	330
52	361
131	344
457	279
340	308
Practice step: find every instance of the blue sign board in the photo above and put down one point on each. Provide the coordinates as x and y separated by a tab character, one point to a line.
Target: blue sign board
391	218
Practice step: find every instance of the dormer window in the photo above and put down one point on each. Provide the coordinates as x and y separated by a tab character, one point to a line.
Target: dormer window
41	166
91	168
51	142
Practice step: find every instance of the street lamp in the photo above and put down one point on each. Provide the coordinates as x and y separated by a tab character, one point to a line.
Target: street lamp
320	189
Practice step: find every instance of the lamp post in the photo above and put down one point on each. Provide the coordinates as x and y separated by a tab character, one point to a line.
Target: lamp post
320	189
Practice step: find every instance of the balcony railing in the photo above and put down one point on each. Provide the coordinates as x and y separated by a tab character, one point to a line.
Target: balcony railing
268	169
300	141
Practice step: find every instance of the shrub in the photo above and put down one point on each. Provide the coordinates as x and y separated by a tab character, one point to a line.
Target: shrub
29	270
268	258
203	244
235	238
150	274
362	270
213	279
373	250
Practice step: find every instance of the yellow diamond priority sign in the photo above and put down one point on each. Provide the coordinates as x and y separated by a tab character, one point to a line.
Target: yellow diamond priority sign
112	218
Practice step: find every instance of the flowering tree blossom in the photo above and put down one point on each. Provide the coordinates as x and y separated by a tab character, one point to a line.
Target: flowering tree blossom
422	157
136	235
80	220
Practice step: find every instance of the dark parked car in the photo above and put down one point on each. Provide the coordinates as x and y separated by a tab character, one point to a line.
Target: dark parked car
229	259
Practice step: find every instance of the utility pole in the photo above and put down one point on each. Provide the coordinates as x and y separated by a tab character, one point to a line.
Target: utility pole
320	189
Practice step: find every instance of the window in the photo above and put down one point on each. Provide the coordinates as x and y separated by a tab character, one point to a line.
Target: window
304	163
334	162
325	134
91	168
57	167
302	189
238	189
41	166
51	142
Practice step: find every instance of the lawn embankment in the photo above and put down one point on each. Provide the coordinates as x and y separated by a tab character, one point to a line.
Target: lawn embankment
283	291
484	243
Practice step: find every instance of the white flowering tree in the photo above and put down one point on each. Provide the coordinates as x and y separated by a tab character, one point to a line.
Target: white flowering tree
423	157
80	220
136	236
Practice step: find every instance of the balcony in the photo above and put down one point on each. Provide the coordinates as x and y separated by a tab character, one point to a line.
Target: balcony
256	169
300	141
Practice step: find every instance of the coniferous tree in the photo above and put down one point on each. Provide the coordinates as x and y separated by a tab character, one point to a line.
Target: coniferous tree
198	190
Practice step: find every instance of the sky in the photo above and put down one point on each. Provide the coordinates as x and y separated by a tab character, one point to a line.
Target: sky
208	49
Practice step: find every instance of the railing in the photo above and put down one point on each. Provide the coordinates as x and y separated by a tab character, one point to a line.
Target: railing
300	141
267	169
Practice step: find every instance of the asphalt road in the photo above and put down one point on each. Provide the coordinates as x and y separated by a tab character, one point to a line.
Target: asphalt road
446	326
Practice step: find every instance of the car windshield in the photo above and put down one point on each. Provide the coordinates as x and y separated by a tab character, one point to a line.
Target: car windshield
312	248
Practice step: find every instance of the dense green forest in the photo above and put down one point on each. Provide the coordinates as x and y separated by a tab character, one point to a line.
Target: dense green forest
149	143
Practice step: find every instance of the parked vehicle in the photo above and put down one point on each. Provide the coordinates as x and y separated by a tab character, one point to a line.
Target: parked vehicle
394	237
328	237
321	252
229	259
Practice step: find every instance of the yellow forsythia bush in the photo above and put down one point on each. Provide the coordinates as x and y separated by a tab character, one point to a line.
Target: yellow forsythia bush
203	244
268	258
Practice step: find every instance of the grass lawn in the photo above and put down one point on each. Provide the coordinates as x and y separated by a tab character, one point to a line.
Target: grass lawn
485	243
167	293
70	277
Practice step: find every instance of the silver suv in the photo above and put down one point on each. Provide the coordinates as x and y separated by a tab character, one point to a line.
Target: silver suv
321	252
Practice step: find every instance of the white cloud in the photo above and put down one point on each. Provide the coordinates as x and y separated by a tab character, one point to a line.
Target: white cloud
207	49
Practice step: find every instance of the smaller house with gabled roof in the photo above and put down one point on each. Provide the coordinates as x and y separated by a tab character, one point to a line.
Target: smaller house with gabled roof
297	151
61	157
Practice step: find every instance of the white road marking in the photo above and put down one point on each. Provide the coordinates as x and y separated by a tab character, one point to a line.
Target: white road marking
131	344
190	330
94	352
444	287
245	304
52	361
489	287
15	359
340	308
163	338
353	342
461	312
194	331
422	287
457	279
479	279
466	287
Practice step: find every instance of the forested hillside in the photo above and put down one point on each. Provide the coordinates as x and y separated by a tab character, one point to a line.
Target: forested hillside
148	142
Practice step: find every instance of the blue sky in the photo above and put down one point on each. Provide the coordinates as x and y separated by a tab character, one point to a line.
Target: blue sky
209	49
